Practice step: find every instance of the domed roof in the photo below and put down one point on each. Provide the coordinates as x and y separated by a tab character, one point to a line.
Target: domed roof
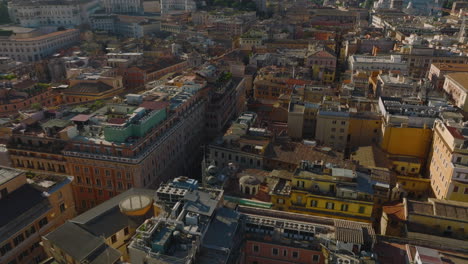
250	180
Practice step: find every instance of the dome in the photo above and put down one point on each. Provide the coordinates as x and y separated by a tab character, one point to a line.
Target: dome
250	180
136	205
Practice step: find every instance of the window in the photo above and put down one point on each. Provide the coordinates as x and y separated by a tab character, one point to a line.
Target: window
455	188
313	203
466	191
43	222
285	253
300	184
315	258
280	201
96	171
295	254
62	208
255	248
330	205
30	231
275	252
344	207
108	173
5	248
362	209
98	182
126	232
113	239
88	181
341	130
17	240
129	185
119	175
100	192
109	183
343	122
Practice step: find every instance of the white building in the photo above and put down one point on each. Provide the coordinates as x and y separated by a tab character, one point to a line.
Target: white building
27	45
377	63
123	6
51	13
177	5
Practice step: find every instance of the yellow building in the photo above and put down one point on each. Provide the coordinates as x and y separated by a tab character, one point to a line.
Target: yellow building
438	221
406	141
405	136
330	192
364	129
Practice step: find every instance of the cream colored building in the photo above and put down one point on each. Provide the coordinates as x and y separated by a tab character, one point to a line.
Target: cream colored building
456	85
448	166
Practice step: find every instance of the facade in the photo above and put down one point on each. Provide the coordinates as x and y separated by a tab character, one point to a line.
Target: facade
103	232
323	65
437	221
178	5
35	44
438	71
51	13
448	173
391	85
16	99
377	63
133	149
328	192
404	134
32	205
455	86
127	6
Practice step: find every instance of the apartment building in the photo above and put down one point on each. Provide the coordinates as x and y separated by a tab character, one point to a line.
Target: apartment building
378	63
123	6
178	5
32	205
120	145
28	45
455	86
405	134
326	191
438	71
101	234
28	13
268	235
447	168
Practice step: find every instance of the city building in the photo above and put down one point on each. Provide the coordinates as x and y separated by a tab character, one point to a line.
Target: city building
102	234
455	86
438	71
378	63
113	147
321	189
447	169
91	86
168	6
28	45
406	134
33	14
125	7
32	205
437	221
